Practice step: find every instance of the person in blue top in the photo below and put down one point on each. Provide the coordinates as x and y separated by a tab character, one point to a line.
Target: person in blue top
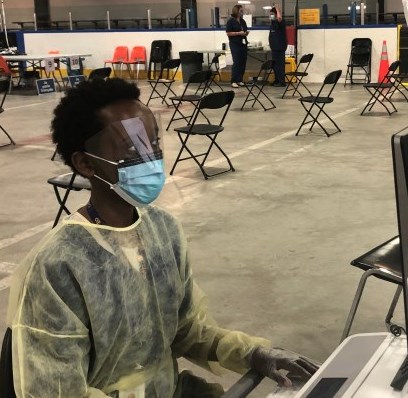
278	44
237	33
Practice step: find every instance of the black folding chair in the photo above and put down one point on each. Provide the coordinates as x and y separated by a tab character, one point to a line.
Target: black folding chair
222	99
383	262
381	92
6	367
100	73
162	85
214	66
203	78
5	82
314	104
256	87
69	182
160	52
295	78
399	84
359	65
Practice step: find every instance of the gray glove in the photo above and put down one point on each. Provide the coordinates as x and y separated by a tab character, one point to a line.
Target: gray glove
269	362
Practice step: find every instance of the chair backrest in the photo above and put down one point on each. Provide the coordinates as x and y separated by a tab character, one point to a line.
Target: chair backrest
6	367
203	78
360	54
138	54
304	62
171	67
200	76
5	82
4	66
216	100
100	73
265	71
120	54
329	83
160	51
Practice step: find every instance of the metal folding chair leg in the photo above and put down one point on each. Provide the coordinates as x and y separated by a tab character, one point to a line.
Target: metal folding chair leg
394	303
357	298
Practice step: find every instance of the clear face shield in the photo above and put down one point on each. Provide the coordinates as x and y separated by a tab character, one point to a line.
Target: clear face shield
134	146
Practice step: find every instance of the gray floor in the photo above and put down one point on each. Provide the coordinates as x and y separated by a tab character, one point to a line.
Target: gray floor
271	243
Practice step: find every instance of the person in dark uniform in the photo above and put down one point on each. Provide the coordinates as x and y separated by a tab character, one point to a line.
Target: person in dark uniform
237	33
278	44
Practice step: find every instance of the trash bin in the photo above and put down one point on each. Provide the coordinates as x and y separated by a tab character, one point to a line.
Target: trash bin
191	61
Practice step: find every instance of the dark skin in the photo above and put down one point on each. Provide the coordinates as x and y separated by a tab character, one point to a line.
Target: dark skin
115	211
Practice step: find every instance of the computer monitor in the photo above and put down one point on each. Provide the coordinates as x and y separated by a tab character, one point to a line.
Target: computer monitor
399	143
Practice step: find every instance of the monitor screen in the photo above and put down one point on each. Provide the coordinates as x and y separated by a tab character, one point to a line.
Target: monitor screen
399	143
400	159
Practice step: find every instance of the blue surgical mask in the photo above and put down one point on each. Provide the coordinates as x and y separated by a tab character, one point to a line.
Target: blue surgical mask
273	17
138	184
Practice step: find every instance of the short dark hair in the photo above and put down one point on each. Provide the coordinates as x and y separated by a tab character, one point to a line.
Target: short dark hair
273	9
77	118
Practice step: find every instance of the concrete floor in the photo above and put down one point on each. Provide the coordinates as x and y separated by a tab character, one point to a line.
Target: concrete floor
271	243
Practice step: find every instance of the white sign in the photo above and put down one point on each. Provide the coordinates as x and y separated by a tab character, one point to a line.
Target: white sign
74	63
49	65
248	19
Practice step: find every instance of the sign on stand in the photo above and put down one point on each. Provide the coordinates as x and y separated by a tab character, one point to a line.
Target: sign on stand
74	63
45	86
75	80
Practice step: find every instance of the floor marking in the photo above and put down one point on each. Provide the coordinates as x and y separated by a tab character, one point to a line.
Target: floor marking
25	234
172	179
29	105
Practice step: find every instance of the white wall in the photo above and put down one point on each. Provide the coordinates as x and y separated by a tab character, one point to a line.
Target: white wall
331	47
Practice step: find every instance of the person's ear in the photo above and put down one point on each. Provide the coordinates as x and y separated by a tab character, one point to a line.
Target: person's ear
82	164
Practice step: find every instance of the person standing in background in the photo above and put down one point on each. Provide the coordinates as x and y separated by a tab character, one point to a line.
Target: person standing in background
278	44
237	33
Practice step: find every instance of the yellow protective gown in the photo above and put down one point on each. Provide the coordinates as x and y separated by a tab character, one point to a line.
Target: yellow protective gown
96	310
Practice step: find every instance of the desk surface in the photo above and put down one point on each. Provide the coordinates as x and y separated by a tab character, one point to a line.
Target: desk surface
38	57
367	362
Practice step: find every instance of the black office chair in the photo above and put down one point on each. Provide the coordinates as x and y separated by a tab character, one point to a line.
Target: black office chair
69	182
295	78
5	82
100	73
314	104
218	100
381	92
256	88
203	79
384	262
359	65
6	367
161	86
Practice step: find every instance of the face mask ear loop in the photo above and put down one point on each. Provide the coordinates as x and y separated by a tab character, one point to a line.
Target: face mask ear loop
106	182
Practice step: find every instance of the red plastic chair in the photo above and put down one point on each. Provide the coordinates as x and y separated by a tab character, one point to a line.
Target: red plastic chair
120	56
137	57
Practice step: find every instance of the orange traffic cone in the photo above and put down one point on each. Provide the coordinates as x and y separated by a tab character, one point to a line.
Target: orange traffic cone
384	64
